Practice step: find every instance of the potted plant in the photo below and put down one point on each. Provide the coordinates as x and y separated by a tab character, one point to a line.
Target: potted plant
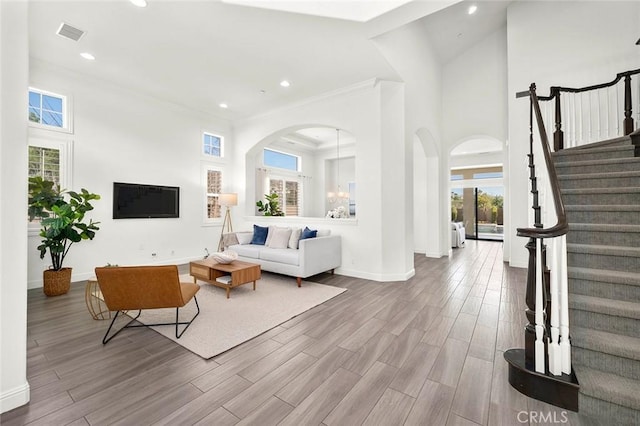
271	207
62	224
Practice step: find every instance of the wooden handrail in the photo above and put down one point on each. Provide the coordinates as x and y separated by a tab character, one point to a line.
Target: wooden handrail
561	227
556	89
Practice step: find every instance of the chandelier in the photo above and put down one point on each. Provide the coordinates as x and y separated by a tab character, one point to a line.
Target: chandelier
339	194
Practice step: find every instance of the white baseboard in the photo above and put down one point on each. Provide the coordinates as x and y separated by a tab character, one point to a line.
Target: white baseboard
434	255
519	264
376	277
15	398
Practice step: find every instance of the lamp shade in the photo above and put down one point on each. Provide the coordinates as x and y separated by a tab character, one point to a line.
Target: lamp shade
230	199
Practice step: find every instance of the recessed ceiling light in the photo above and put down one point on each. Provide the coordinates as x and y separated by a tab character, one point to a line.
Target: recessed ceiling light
88	56
139	3
285	83
223	106
472	9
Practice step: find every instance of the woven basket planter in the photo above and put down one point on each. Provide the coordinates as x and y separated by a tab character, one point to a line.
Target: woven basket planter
56	282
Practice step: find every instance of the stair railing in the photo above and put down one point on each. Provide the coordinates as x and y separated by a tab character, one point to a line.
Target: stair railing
547	334
592	113
547	290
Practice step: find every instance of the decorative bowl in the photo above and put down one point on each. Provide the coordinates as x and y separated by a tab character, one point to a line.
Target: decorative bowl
225	257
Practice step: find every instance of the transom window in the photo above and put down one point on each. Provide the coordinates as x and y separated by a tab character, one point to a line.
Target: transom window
281	160
212	145
47	109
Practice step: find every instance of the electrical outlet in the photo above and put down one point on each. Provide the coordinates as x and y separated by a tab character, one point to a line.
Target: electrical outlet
154	254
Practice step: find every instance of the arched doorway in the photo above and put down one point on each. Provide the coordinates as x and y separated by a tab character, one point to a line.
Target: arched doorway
477	187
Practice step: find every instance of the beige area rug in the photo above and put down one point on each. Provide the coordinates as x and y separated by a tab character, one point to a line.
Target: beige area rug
225	323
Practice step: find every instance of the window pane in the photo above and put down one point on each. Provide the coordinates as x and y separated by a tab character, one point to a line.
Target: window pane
52	118
280	160
34	115
34	100
213	207
52	103
291	197
214	181
487	175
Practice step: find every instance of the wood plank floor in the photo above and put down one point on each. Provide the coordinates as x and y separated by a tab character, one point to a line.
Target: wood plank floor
428	351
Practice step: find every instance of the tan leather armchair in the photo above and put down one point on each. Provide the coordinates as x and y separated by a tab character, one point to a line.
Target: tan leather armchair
130	288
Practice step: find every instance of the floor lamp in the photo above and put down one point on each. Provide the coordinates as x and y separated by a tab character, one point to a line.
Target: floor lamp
226	200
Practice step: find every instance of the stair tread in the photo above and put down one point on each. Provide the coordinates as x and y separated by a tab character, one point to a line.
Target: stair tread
603	207
609	387
600	175
604	162
605	306
606	142
587	150
614	190
605	275
602	249
609	343
603	227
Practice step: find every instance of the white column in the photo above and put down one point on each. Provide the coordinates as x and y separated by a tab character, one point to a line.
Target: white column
14	83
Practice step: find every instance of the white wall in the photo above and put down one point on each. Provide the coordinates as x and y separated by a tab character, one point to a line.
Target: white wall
411	54
373	113
475	104
571	44
123	136
14	65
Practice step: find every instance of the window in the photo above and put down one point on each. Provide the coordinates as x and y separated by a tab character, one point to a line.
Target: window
289	195
281	160
48	109
50	159
213	189
212	145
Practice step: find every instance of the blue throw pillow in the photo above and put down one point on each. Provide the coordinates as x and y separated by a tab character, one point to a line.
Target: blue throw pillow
259	235
308	233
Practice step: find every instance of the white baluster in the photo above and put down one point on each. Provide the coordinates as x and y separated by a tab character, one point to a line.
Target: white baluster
539	346
565	344
555	359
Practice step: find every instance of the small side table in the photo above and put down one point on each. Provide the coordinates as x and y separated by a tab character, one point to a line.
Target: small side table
95	304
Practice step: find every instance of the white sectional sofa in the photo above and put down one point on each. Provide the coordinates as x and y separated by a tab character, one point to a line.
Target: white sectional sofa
313	255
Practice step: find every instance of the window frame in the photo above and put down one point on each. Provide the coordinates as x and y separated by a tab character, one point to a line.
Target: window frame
222	146
206	220
67	121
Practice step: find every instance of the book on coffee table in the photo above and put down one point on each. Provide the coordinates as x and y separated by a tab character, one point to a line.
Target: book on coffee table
224	279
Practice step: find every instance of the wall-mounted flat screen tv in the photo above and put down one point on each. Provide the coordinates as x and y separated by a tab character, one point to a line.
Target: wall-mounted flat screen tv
139	201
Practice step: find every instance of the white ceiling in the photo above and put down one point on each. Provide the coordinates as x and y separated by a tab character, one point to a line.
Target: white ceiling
203	53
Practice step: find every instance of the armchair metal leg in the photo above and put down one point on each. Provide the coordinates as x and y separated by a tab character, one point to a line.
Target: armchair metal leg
129	324
188	323
105	340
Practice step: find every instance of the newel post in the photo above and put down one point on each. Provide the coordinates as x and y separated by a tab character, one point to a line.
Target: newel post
628	120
